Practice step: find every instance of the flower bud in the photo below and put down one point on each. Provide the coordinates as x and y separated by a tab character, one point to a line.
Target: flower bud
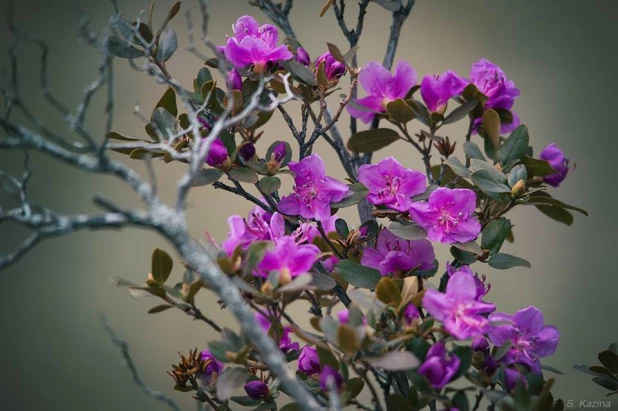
285	277
309	362
247	151
519	188
302	56
332	68
330	374
212	370
480	343
267	288
257	390
279	152
218	155
234	81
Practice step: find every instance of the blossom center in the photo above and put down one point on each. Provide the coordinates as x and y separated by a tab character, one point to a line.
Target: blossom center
448	221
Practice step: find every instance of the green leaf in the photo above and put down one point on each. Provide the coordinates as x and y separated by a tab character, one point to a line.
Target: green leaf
255	254
395	361
397	402
537	168
460	401
168	43
606	382
542	198
552	369
556	213
503	261
470	247
517	173
173	11
342	228
244	175
269	185
514	147
246	401
358	275
494	234
203	76
610	360
491	125
473	151
354	387
335	52
299	283
120	48
207	176
359	192
168	102
399	111
292	406
490	181
388	292
464	354
460	112
457	167
326	356
369	141
300	72
347	339
117	136
164	123
420	111
502	350
161	265
407	231
159	308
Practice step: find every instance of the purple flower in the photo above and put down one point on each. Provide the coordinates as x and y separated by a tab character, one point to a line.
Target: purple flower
480	344
481	289
500	91
437	89
303	57
410	313
285	343
213	369
259	226
217	154
289	258
382	87
247	151
328	373
309	362
448	216
439	367
393	254
530	338
254	45
555	157
314	191
333	68
279	152
234	81
391	184
257	389
343	315
512	377
459	308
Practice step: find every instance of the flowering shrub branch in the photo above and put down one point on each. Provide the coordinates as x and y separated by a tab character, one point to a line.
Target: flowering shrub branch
377	320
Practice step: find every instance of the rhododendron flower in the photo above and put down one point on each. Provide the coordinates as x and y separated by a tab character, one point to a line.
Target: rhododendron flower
448	216
391	184
213	369
439	367
314	191
257	390
254	45
330	373
382	87
332	68
285	343
217	154
289	258
531	338
555	157
302	56
394	254
459	308
437	89
500	91
259	226
481	289
308	361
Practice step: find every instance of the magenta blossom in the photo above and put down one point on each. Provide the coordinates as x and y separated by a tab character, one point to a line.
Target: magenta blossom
257	390
330	373
448	216
459	308
332	68
439	367
512	377
309	362
555	157
285	343
303	57
531	338
213	369
289	258
382	87
391	184
438	89
254	45
490	80
393	254
217	154
314	191
481	289
258	226
234	81
410	313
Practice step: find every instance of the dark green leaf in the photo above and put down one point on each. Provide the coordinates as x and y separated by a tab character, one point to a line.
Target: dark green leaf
491	125
457	167
494	234
556	213
358	275
551	369
117	136
369	141
400	112
164	123
246	401
610	360
323	282
514	147
420	111
517	173
300	72
473	151
244	175
460	401
342	228
255	254
122	49
159	308
606	382
490	181
145	32
502	350
460	112
162	265
537	168
503	261
542	198
326	356
359	192
173	11
168	102
470	246
390	5
354	386
388	292
203	76
335	52
407	231
465	359
206	177
293	406
397	402
588	370
168	43
269	185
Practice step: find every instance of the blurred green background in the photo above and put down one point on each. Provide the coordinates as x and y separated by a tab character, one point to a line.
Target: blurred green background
55	355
